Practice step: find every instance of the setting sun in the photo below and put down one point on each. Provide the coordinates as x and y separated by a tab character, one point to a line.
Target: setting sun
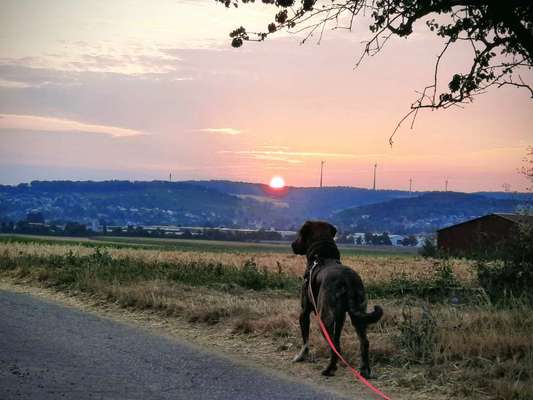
277	182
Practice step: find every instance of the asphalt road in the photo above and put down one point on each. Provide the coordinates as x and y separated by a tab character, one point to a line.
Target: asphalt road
48	351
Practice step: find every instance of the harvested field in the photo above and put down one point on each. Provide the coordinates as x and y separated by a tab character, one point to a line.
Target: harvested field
440	336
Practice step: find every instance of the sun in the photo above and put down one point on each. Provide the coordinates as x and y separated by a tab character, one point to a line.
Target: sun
277	182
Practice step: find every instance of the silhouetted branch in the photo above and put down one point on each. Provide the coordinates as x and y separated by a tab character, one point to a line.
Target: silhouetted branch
499	32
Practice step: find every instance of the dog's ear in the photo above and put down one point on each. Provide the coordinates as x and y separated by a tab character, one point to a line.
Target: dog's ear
333	230
305	229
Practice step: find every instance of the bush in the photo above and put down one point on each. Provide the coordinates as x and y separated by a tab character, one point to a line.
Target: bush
512	276
428	249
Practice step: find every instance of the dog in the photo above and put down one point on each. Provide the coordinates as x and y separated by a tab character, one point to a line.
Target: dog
337	290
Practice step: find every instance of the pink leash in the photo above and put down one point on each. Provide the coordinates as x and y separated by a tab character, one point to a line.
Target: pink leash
330	342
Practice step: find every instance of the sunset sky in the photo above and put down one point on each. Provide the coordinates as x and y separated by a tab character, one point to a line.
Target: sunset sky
137	90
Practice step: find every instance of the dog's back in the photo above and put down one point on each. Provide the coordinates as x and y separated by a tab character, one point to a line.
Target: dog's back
340	290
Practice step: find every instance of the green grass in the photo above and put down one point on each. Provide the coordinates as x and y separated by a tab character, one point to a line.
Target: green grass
85	273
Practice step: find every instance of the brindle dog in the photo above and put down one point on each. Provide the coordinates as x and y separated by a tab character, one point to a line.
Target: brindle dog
337	290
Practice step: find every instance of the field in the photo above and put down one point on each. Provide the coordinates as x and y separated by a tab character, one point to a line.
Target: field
440	337
198	245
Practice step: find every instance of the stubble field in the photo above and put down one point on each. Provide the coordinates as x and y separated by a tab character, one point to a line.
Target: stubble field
440	335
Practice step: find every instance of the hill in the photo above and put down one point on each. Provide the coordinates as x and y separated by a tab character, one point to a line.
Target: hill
311	202
204	203
423	213
121	202
242	204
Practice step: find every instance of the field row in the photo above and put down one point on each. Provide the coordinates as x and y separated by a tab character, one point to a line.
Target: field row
372	268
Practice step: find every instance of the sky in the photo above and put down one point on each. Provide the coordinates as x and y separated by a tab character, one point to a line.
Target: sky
139	90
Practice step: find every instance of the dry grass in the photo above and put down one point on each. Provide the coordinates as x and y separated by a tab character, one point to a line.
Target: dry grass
372	269
475	351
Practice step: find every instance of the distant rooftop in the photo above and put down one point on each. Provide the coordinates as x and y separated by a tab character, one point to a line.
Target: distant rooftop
516	218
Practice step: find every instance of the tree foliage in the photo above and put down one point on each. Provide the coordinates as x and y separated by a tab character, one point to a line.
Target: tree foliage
428	249
513	275
377	240
500	34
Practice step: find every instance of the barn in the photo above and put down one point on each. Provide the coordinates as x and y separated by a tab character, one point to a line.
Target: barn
484	234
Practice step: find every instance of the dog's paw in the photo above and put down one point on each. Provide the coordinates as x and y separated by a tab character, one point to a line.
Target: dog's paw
365	372
329	371
302	355
298	358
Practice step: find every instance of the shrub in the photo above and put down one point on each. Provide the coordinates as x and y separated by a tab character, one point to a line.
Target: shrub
512	276
428	249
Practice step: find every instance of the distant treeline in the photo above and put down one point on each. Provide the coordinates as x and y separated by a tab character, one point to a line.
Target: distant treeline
34	224
372	239
33	228
90	186
205	234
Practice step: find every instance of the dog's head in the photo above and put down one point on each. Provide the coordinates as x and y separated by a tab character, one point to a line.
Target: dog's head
310	232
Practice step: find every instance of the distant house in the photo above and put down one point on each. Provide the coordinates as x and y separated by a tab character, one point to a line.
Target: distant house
485	233
396	240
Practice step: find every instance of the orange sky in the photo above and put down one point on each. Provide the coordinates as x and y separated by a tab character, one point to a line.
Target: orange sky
128	90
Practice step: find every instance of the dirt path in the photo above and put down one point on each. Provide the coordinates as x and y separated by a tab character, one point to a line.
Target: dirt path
254	352
49	351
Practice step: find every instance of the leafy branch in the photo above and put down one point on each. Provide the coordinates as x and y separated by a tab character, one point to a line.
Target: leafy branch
500	34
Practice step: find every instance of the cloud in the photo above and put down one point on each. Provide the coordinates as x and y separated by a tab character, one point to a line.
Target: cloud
223	131
284	153
276	158
15	75
125	59
125	64
6	83
271	147
50	124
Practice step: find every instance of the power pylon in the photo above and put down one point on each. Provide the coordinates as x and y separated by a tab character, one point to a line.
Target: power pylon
375	167
321	171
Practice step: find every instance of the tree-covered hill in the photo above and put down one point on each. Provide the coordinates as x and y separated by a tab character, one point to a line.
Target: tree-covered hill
121	202
423	213
245	205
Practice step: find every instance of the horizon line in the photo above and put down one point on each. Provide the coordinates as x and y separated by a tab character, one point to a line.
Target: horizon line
264	184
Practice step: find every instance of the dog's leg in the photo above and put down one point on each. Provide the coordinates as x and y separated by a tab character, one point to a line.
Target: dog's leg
364	345
304	326
334	329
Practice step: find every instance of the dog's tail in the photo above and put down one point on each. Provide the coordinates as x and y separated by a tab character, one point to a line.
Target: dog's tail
357	305
367	318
